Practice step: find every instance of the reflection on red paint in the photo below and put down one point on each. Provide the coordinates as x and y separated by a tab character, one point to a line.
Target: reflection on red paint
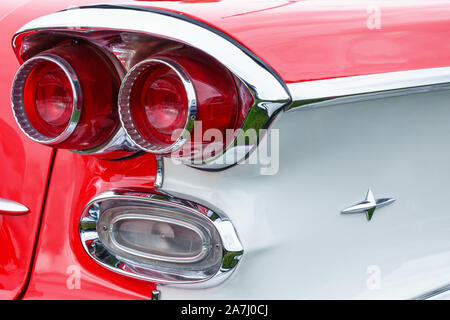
312	40
75	180
24	164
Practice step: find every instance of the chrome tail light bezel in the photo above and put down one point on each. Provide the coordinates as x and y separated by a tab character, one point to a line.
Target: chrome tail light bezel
124	105
18	105
229	245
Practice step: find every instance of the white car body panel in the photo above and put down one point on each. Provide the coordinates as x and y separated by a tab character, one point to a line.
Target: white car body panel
296	242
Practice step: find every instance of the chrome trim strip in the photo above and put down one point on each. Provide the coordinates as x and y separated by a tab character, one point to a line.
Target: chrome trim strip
118	142
156	294
159	179
9	207
232	249
433	293
311	94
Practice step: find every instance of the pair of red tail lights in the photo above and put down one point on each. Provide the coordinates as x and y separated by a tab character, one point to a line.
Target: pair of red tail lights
72	96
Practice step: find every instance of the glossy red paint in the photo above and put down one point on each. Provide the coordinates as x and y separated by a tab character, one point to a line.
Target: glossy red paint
23	175
60	255
317	39
24	164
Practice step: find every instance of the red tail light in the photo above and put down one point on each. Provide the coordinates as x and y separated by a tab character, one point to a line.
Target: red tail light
65	97
157	99
162	96
53	95
174	100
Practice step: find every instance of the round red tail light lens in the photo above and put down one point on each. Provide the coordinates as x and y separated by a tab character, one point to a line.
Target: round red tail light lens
54	98
157	105
66	97
45	99
181	98
164	101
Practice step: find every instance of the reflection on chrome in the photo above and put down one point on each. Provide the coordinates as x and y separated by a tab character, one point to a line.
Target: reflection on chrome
9	207
157	237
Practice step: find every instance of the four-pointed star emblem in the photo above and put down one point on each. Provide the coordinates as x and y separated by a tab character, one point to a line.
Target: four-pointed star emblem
368	205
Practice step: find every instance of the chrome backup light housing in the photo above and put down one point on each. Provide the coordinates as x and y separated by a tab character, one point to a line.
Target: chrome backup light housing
17	96
220	250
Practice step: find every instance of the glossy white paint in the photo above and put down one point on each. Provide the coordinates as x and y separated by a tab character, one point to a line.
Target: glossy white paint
297	243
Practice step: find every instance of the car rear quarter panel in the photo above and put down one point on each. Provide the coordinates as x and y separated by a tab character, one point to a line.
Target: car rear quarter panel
314	40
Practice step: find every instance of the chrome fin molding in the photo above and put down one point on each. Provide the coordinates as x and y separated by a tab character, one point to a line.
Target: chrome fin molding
435	294
312	94
258	77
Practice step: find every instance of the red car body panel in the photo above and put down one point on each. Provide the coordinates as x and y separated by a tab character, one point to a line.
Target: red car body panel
314	40
23	171
60	255
24	166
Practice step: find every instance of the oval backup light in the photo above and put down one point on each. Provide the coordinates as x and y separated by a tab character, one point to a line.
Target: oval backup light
158	238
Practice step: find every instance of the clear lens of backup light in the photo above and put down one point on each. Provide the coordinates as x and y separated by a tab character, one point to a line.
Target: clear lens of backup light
143	235
169	240
159	238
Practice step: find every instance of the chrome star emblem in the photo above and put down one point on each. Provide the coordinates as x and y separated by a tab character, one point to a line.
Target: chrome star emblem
368	205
